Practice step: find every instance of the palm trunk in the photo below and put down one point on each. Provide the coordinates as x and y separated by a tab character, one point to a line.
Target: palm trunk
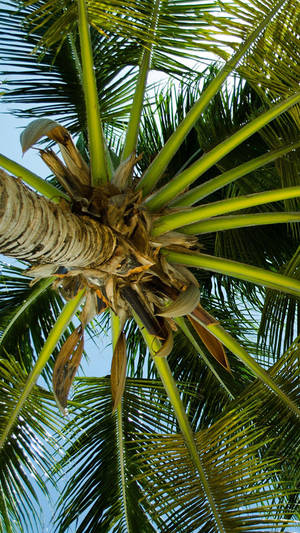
34	229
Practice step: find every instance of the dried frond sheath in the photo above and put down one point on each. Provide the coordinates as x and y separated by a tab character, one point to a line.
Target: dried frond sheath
118	371
66	365
214	346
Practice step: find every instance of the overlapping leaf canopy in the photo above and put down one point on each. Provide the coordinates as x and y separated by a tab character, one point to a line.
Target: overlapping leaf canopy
133	469
160	487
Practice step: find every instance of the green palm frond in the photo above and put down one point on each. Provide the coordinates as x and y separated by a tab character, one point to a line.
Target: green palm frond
27	315
95	494
241	456
282	428
27	456
161	118
186	23
188	362
244	435
273	64
16	408
272	69
286	129
240	245
237	478
279	321
130	469
51	85
188	365
227	111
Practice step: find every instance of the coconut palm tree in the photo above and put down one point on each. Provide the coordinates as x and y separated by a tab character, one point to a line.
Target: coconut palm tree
157	186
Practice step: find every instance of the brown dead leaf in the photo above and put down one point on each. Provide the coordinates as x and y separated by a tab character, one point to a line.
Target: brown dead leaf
90	308
123	173
185	274
70	183
41	271
71	155
175	238
66	365
70	285
111	290
214	346
202	315
140	238
102	297
118	371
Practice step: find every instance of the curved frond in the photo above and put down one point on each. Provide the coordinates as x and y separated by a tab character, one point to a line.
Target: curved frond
179	28
279	321
273	64
27	314
26	459
272	67
50	84
242	460
94	495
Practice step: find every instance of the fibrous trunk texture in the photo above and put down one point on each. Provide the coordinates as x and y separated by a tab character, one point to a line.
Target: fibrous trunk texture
35	229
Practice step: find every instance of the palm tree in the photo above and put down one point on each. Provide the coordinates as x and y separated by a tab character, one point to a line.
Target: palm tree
120	232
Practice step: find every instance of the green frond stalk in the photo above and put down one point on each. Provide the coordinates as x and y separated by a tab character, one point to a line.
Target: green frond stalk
240	221
167	193
168	381
116	331
120	436
53	338
138	99
98	161
205	189
185	218
160	163
234	269
218	331
136	108
40	185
